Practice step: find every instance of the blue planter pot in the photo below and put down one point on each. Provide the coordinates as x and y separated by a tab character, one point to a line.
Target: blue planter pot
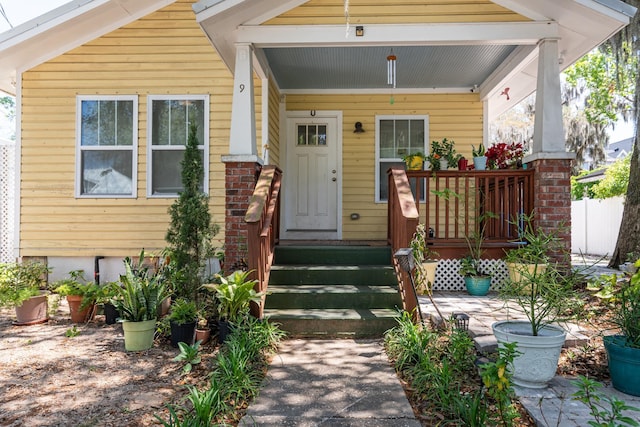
624	364
477	285
480	163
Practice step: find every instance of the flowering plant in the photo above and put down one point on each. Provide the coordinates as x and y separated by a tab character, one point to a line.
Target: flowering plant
503	156
443	150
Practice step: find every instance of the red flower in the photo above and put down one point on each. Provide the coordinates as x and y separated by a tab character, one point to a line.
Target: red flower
503	156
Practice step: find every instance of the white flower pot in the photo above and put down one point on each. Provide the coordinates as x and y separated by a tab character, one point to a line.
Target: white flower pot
538	361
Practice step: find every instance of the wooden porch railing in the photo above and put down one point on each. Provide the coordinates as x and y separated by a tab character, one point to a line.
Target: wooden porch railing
402	220
263	219
454	204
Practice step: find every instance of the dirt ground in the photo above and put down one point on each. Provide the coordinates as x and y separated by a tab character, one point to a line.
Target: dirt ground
49	379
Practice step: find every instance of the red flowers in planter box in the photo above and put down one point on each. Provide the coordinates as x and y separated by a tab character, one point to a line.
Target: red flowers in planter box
504	156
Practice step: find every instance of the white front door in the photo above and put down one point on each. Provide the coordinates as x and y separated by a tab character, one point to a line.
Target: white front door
312	177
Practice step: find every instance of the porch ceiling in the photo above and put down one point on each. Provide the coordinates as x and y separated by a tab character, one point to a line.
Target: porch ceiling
449	57
418	67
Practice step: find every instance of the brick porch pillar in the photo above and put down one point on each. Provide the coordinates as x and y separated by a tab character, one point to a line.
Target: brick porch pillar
241	174
552	201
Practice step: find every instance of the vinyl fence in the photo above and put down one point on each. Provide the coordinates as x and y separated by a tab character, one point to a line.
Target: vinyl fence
595	225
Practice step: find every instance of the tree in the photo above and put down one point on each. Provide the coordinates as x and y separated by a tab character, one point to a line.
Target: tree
625	47
615	181
191	230
8	110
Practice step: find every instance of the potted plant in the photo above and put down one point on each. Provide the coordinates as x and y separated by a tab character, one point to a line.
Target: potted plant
138	300
544	297
203	331
531	257
414	161
505	156
479	159
81	295
623	350
233	295
22	286
108	292
182	318
475	279
443	154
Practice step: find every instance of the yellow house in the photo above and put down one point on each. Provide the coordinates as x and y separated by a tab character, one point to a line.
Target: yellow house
105	90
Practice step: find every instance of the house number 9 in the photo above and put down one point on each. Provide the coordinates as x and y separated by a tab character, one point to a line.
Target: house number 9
241	88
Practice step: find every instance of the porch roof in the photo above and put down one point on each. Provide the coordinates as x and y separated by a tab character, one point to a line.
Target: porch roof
451	57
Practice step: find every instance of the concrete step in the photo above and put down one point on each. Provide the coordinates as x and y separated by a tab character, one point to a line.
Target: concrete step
332	296
334	322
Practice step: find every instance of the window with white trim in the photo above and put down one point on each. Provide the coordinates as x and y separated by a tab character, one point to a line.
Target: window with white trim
397	136
106	146
168	122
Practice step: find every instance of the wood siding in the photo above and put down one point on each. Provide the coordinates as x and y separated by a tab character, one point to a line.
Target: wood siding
164	53
396	11
274	124
452	116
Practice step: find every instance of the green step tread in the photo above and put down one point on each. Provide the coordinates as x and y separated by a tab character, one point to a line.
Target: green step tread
332	289
332	314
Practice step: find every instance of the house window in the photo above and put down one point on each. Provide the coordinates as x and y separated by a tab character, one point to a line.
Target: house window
169	119
397	136
107	141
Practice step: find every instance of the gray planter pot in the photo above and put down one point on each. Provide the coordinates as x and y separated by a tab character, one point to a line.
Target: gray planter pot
538	361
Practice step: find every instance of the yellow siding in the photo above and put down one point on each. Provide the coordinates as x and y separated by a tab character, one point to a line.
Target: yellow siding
163	53
454	116
274	124
396	11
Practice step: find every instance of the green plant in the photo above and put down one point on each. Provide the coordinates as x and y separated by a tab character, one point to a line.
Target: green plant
589	393
72	332
76	284
496	377
183	311
626	309
478	152
470	265
19	282
411	156
189	354
234	293
140	295
444	150
421	252
535	245
191	230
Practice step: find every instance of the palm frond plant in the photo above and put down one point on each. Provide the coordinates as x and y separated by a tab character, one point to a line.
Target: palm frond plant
139	295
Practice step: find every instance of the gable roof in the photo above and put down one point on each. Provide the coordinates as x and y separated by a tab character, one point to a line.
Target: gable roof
62	29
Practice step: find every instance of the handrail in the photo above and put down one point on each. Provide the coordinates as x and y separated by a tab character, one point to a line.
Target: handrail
402	221
263	227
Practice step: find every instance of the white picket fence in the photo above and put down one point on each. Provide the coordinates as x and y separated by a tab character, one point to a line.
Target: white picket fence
595	225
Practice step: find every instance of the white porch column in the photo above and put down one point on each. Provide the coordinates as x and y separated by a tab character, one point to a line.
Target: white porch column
548	133
242	140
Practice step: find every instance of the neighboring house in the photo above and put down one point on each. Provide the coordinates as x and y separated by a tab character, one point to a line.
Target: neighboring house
619	150
106	88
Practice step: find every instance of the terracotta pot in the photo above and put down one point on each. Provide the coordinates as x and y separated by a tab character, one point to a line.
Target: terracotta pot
77	315
203	335
163	308
32	311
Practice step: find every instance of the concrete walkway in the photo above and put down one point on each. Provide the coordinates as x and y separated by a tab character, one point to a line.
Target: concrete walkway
337	383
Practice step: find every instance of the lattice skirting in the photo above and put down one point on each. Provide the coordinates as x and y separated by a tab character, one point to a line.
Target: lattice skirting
7	160
448	279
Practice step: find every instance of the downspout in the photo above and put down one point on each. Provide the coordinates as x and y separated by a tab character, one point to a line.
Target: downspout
96	269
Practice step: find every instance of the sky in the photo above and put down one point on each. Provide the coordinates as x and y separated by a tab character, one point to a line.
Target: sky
19	11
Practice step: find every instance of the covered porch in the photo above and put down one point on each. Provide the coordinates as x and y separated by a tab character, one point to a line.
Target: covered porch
323	66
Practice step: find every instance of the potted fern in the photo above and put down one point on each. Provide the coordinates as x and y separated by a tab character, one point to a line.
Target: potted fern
182	319
81	295
21	287
139	297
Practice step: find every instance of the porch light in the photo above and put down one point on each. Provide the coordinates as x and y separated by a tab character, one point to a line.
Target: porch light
391	70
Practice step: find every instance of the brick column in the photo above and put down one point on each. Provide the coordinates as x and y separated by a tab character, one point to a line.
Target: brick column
552	201
240	180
